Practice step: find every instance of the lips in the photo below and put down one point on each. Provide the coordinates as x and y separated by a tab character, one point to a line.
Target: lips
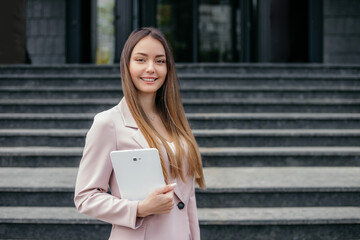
148	79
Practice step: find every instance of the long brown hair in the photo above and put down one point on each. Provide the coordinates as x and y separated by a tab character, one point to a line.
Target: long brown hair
170	108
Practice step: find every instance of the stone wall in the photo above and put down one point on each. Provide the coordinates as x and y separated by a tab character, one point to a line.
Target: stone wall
341	31
45	31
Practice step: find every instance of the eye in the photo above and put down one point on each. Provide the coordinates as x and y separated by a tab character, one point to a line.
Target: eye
140	60
160	61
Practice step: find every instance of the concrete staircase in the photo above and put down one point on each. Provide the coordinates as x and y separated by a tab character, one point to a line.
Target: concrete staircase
280	146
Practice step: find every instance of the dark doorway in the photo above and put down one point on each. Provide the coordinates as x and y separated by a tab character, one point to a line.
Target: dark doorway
78	31
289	31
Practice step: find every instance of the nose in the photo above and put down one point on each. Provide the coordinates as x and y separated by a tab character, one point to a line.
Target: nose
150	67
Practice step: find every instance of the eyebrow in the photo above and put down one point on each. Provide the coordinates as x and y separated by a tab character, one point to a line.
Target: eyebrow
144	54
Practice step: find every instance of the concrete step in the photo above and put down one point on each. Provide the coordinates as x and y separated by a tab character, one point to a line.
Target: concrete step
60	69
224	105
268	68
204	137
187	80
49	223
40	156
46	92
280	187
226	187
196	120
272	105
336	223
280	223
280	156
277	137
211	157
293	68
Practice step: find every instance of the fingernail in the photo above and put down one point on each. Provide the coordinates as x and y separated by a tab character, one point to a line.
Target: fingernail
173	184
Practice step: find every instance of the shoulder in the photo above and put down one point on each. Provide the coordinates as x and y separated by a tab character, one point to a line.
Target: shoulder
106	116
108	119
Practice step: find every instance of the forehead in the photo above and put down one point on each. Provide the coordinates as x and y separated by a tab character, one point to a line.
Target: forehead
149	45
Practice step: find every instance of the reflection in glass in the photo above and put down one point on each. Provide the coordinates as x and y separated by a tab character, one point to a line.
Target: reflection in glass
105	32
217	33
174	19
201	30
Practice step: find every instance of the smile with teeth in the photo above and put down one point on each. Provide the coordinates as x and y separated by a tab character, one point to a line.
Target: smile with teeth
148	79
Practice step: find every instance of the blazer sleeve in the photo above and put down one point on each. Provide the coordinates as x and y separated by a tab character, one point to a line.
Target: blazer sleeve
193	217
91	197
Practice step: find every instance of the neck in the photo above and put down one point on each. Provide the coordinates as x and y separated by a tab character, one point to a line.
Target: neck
147	102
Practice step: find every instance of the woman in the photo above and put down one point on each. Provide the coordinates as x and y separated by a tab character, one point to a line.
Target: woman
149	116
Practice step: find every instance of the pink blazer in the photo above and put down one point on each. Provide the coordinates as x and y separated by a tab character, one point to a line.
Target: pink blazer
116	129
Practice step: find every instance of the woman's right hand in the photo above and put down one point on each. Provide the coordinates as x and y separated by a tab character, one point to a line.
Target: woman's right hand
160	201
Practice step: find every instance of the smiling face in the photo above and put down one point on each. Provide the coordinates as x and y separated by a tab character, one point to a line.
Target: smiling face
147	65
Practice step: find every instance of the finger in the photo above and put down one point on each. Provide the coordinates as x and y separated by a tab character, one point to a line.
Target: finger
165	189
170	187
160	190
170	198
170	194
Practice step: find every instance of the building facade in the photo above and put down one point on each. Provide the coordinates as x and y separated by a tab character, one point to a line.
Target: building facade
71	31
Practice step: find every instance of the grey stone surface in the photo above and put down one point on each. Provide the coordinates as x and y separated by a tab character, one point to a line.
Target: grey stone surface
264	132
36	8
270	92
197	132
47	8
190	105
285	178
341	8
38	178
188	69
346	25
46	29
296	84
340	44
46	151
262	151
248	198
222	216
212	157
341	31
193	116
296	223
44	215
286	216
281	232
284	192
204	137
346	57
196	120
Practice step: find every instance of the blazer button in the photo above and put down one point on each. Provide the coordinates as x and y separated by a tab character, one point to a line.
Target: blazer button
181	205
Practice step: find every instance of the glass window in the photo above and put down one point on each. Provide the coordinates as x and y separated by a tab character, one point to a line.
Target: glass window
174	18
202	30
219	30
105	32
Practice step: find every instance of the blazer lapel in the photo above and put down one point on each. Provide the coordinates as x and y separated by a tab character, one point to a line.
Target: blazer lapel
140	139
138	136
130	122
178	194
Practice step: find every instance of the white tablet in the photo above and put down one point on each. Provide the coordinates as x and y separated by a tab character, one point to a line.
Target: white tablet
138	172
